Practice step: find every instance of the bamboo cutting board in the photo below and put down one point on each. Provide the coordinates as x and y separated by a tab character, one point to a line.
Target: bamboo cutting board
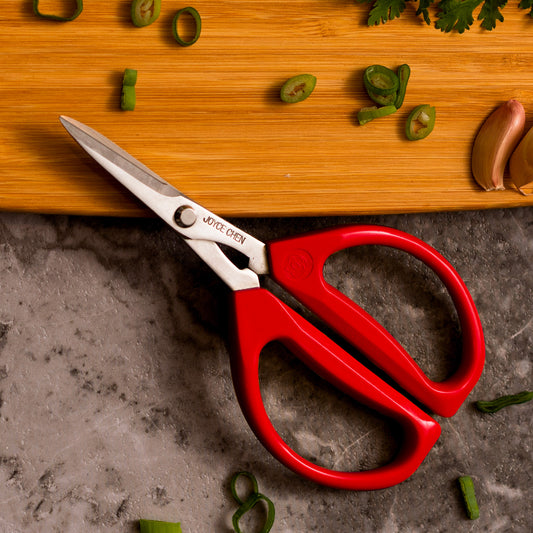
209	120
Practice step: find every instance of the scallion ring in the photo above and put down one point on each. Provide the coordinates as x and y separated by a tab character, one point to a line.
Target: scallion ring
197	21
77	11
251	501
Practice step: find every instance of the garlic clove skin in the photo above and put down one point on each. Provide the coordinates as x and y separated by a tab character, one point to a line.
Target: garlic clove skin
494	143
521	165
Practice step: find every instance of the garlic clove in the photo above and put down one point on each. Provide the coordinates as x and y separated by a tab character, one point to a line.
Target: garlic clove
494	143
521	165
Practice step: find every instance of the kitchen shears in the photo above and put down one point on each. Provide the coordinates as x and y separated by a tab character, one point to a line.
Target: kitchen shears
296	264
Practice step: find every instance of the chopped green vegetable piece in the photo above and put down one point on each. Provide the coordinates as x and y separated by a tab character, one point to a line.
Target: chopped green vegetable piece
469	496
251	501
420	122
403	76
370	113
157	526
297	88
380	80
495	405
144	12
381	84
130	77
128	98
197	22
77	11
233	485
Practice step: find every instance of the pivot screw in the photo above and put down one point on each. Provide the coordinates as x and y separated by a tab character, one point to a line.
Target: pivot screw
185	216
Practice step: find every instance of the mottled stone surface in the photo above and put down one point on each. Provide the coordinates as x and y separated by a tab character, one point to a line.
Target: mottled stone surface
116	398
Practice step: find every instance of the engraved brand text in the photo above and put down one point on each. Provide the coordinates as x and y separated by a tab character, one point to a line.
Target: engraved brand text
225	229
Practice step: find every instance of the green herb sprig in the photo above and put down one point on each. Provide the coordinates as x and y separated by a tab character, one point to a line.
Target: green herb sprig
452	15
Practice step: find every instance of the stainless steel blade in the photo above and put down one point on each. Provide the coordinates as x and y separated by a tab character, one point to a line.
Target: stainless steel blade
191	220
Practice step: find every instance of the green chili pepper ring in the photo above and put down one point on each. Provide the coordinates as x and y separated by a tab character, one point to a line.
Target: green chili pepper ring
78	10
253	499
370	113
497	404
404	72
420	122
144	12
197	20
297	88
380	80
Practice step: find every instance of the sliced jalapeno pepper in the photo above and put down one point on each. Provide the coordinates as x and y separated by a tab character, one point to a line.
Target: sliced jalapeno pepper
370	113
297	88
197	22
380	80
144	12
404	71
420	122
77	11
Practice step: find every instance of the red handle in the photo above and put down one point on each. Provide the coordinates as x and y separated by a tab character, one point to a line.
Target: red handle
297	264
262	318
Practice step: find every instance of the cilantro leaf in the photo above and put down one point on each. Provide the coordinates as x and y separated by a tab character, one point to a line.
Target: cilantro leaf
423	6
527	4
456	15
385	10
490	12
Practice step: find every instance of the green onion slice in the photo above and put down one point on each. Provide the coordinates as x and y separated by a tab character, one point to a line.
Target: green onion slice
492	406
404	71
197	22
370	113
233	485
297	88
157	526
420	122
469	496
144	12
249	503
77	11
130	77
128	98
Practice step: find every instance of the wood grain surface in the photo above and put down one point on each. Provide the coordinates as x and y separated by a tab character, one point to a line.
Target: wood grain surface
209	119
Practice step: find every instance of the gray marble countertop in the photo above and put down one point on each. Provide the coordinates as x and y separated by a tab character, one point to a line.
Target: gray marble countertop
116	398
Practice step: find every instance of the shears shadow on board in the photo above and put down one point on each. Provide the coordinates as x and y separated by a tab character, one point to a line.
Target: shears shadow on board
260	318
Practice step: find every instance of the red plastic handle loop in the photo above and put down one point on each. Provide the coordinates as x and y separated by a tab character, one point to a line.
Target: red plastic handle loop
297	264
262	318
